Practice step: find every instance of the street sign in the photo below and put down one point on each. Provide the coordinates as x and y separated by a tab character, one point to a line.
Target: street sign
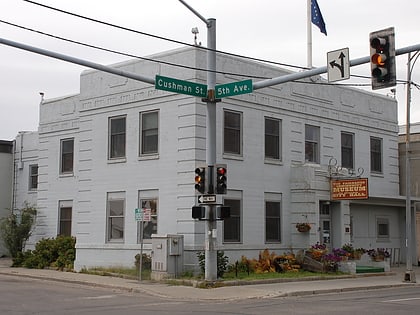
180	86
338	64
234	88
138	214
210	199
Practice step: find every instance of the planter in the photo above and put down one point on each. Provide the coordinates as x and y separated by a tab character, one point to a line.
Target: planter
303	228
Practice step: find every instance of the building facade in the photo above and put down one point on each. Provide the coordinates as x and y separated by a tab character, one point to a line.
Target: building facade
6	180
119	145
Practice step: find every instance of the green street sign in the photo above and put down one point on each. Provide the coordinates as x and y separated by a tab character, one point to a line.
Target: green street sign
180	86
234	88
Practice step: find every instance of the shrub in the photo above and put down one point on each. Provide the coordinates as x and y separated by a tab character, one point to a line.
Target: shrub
49	252
146	262
222	262
16	229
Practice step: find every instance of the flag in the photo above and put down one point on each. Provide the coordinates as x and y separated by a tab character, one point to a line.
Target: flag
317	18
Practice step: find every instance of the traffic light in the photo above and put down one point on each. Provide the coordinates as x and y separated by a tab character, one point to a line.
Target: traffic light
198	212
222	212
382	58
221	179
200	179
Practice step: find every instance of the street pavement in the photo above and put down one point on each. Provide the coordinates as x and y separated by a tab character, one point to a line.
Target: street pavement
233	291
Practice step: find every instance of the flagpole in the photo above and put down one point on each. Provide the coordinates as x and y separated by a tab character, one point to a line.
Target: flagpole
309	33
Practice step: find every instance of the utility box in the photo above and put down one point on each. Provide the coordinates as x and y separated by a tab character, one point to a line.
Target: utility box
167	256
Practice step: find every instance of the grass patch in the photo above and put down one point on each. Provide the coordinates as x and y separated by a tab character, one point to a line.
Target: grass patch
120	272
275	275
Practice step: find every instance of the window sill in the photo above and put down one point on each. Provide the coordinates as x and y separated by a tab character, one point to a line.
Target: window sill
273	161
64	175
379	175
148	157
117	160
233	157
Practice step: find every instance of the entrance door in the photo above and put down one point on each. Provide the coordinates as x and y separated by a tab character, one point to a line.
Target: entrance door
325	224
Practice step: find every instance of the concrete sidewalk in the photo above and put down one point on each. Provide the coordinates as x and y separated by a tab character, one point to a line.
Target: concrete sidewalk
180	292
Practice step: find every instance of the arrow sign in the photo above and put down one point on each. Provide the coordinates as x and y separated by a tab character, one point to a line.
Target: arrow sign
338	65
207	199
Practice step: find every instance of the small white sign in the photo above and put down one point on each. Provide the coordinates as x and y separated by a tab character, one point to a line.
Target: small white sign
338	64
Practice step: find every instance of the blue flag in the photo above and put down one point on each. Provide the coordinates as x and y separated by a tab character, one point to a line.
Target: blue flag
317	18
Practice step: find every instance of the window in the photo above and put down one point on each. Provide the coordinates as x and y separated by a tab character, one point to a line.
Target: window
149	137
382	228
115	210
33	177
272	138
149	227
347	151
67	151
311	144
272	222
65	214
117	137
375	155
232	225
232	132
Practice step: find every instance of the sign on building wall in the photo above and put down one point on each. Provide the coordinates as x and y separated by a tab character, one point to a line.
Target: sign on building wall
346	189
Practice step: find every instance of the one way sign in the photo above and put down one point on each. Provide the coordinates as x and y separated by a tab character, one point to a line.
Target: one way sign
338	65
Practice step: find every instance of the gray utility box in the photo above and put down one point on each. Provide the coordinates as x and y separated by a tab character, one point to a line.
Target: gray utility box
167	256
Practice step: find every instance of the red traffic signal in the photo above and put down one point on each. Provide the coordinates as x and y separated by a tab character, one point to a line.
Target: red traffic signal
221	179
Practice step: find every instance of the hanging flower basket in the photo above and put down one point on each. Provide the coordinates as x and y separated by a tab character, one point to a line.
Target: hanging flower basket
303	227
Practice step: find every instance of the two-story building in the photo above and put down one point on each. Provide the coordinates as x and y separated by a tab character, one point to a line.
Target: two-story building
120	144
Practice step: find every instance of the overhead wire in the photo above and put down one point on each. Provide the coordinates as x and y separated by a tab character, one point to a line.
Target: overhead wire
174	41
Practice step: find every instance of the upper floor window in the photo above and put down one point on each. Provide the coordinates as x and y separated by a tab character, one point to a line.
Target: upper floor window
33	177
272	138
117	133
312	136
375	155
347	150
67	153
232	133
149	133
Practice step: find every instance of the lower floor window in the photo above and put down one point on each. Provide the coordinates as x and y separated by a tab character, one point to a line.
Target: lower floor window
232	225
272	222
65	217
115	209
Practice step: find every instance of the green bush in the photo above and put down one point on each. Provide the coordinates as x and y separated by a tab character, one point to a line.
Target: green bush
222	262
59	253
16	229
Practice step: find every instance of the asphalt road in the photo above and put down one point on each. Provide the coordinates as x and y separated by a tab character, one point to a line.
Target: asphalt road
31	296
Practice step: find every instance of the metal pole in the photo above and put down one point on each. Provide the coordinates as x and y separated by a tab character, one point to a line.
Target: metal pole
309	32
210	251
409	274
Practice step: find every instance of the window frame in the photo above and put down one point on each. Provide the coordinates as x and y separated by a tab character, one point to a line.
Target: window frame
313	142
376	156
234	144
234	222
149	227
64	155
115	197
142	151
382	237
271	217
113	138
275	138
347	151
33	177
65	223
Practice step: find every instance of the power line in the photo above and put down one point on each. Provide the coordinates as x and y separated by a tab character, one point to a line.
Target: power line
127	54
161	37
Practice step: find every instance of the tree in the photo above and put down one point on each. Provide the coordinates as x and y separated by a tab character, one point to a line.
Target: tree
16	229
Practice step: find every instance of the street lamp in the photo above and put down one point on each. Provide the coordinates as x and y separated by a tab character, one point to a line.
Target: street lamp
409	276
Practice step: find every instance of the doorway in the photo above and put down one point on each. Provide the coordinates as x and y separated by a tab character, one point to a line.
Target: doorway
325	230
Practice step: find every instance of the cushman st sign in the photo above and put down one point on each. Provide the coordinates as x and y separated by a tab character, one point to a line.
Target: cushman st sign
344	189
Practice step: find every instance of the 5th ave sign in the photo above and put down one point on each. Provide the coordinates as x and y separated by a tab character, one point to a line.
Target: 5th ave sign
200	90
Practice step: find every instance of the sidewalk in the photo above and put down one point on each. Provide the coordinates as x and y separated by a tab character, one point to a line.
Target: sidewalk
262	290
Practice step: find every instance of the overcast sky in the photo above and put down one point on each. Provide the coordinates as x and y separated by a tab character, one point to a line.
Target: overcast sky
267	29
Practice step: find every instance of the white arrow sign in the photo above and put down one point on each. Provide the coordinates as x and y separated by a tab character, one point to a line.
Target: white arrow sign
338	65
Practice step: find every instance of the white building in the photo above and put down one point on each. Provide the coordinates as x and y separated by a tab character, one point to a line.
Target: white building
121	144
6	181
